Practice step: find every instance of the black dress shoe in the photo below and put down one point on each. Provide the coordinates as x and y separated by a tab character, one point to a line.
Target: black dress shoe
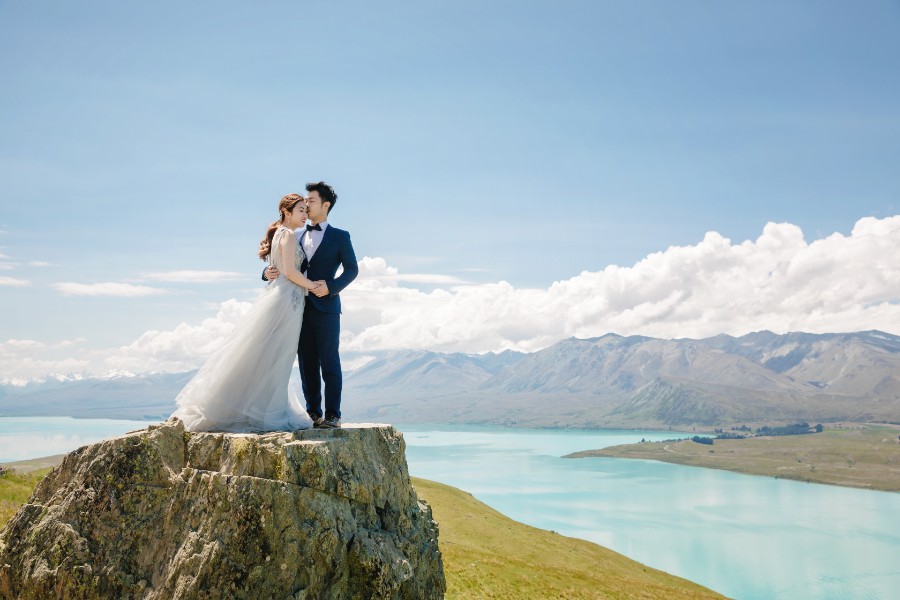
331	422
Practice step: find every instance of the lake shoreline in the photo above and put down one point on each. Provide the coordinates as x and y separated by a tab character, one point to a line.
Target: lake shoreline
862	457
647	510
871	452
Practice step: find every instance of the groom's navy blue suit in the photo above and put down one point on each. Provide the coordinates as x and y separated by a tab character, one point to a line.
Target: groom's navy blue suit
321	331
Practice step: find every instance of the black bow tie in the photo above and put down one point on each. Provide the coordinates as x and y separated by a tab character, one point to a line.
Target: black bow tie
315	227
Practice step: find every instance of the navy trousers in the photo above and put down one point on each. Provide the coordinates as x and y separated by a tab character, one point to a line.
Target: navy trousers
320	360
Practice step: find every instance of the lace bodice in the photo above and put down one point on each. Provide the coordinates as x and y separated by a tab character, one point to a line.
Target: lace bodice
275	257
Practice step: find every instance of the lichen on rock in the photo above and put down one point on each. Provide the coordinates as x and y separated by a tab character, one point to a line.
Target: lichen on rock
164	513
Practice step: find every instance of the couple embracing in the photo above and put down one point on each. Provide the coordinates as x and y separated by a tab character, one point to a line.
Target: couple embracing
244	385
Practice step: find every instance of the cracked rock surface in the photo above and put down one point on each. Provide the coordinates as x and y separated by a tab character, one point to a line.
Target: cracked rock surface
164	513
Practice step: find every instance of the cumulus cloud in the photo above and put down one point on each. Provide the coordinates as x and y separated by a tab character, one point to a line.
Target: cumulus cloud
378	269
70	343
121	290
13	282
180	349
23	360
779	281
430	278
194	276
20	345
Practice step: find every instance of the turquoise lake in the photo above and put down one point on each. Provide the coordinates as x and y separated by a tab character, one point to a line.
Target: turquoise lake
743	536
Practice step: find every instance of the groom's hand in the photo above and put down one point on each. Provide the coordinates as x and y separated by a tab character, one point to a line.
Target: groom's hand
321	289
272	273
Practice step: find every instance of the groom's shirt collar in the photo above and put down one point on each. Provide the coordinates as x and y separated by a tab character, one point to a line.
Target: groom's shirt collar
300	231
311	239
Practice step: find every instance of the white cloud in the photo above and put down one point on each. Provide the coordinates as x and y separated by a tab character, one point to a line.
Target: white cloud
431	278
194	276
377	269
70	343
22	360
6	266
778	282
182	348
122	290
20	345
13	282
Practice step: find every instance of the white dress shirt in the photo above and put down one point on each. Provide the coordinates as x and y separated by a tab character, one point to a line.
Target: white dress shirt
310	240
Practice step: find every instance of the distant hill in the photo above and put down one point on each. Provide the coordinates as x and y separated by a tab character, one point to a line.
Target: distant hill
637	381
142	397
609	381
429	371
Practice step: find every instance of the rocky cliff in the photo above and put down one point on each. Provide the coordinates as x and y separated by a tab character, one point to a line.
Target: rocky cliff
162	513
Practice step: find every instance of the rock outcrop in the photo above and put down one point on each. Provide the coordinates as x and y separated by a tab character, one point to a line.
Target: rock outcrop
163	513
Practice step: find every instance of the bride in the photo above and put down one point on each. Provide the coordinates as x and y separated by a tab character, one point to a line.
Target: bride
244	385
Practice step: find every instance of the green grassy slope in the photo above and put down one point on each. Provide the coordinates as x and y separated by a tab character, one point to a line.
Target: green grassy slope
15	488
487	555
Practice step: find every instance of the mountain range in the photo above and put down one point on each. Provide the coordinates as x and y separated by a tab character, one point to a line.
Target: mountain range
609	381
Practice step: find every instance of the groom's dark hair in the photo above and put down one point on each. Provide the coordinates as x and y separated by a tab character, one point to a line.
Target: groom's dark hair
326	193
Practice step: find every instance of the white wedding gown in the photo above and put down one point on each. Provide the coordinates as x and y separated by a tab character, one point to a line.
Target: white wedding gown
243	387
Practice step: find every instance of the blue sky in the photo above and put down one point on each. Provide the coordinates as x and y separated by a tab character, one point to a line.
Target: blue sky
472	145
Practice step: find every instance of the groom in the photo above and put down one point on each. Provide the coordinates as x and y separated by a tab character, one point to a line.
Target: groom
326	248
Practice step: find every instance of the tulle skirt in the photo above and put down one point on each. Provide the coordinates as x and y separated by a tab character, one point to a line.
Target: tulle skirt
243	387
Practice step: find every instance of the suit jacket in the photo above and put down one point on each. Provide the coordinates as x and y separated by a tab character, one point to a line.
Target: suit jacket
334	251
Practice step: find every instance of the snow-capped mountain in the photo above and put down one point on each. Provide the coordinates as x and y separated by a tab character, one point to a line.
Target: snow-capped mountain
610	381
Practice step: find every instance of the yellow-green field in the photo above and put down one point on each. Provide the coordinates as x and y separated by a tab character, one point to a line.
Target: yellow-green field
487	555
864	456
15	488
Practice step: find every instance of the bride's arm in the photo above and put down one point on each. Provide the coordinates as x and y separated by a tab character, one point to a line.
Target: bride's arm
287	246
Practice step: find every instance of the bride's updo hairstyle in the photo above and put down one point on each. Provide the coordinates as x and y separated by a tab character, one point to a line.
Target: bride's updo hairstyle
286	205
